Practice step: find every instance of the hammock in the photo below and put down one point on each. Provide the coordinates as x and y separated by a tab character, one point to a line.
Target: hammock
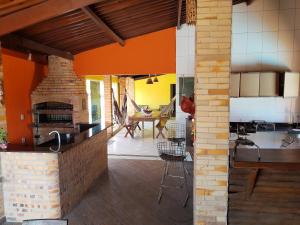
136	107
170	108
118	116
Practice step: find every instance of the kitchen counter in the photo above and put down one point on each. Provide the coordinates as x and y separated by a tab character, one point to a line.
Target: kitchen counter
39	183
43	147
267	140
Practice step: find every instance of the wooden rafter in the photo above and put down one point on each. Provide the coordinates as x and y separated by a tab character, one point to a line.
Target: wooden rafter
38	13
102	25
179	14
13	41
235	2
7	9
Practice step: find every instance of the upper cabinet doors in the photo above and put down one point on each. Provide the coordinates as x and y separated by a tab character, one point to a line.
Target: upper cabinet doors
265	84
249	85
268	84
291	84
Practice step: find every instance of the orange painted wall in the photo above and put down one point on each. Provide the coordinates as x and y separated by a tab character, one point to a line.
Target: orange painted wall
20	78
150	53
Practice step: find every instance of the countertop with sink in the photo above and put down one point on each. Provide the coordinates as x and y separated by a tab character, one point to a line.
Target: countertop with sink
69	141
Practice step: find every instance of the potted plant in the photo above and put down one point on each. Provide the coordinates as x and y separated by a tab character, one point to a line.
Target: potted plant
3	138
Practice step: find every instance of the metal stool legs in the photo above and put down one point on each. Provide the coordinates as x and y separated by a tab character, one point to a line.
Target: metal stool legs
185	172
184	178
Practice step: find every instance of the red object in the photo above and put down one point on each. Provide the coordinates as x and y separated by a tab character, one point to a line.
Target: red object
187	105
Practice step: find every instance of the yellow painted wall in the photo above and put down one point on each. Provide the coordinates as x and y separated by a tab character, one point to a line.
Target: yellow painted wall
154	94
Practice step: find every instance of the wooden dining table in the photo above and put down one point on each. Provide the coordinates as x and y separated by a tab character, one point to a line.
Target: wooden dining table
142	117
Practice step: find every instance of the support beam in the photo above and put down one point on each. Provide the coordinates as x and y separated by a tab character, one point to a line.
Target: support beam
179	14
102	25
38	13
235	2
15	42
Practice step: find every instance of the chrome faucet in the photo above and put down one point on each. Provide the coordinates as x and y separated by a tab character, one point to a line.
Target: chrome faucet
59	142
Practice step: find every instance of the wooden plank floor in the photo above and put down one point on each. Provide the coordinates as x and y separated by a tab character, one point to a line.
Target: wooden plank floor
275	200
127	195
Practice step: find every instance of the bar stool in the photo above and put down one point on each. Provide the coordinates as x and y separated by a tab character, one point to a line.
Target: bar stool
173	152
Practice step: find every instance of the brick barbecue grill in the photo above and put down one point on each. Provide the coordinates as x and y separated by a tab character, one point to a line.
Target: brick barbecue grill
60	101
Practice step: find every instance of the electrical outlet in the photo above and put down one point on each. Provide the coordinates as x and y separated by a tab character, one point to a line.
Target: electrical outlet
23	140
22	116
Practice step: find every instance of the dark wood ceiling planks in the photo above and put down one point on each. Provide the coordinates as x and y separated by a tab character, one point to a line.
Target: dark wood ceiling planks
74	31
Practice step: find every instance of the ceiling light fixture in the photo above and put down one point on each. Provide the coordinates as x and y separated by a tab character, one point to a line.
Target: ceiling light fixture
155	78
149	80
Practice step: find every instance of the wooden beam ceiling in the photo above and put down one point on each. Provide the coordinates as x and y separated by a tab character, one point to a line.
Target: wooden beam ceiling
102	25
38	13
179	14
13	41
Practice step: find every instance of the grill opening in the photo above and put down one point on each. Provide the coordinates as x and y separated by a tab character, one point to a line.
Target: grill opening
53	112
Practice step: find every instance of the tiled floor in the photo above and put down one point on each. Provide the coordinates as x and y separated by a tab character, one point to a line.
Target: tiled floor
139	146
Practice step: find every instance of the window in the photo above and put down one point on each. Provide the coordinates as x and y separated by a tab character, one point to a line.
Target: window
95	91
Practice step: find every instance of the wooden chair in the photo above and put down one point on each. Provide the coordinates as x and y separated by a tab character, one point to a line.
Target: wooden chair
130	127
45	222
161	126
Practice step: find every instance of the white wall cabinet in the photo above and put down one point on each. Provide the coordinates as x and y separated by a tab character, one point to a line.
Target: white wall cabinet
235	84
268	84
291	84
249	85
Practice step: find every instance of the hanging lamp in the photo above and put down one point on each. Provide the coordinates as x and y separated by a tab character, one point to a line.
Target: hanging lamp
155	79
149	80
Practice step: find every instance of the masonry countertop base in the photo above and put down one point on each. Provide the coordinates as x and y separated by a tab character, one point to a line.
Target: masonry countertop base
39	185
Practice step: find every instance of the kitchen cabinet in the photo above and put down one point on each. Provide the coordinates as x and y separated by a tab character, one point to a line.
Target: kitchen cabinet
291	84
268	84
249	85
235	84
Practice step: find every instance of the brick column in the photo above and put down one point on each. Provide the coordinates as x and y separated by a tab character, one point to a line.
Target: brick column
108	102
213	55
122	86
130	90
2	107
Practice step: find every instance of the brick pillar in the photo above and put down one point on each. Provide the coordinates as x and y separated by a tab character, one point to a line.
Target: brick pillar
213	55
127	83
2	106
122	86
130	90
108	102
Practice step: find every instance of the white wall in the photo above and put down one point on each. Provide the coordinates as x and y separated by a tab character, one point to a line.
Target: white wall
185	61
269	109
266	37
